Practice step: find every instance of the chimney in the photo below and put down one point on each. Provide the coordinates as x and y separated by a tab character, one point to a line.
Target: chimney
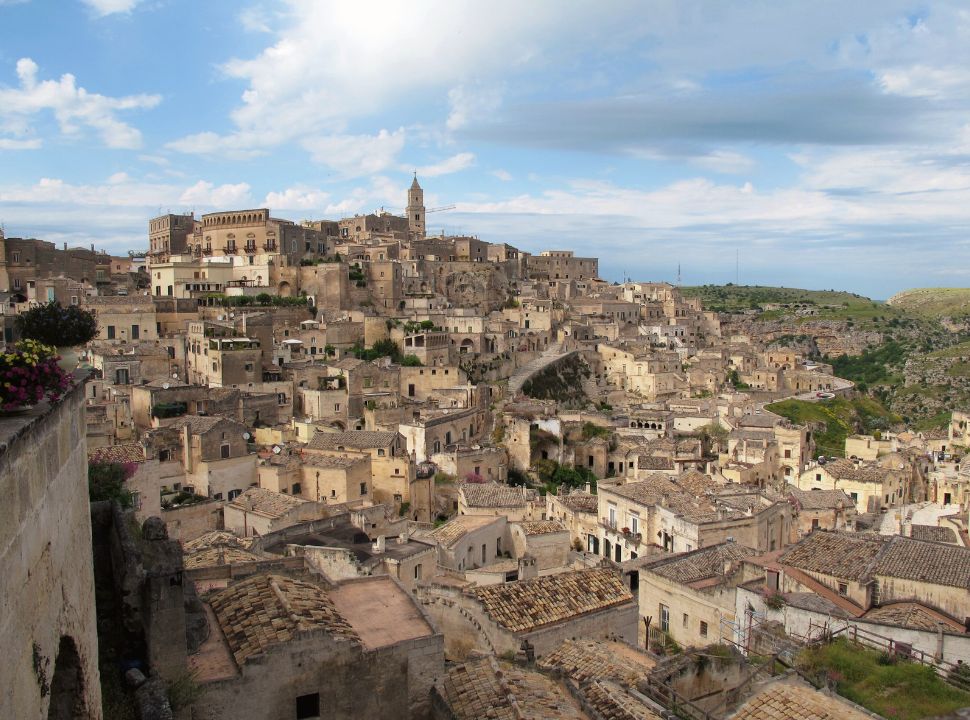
728	568
405	535
589	489
92	247
379	545
65	245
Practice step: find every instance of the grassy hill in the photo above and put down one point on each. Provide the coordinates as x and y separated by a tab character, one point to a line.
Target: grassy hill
828	304
933	302
840	417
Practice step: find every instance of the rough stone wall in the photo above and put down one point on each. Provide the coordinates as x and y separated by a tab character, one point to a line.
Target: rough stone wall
352	684
46	559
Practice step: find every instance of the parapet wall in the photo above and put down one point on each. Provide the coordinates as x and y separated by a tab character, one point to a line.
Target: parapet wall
48	629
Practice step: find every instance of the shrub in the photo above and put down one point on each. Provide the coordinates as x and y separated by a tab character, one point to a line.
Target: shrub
106	481
58	326
29	374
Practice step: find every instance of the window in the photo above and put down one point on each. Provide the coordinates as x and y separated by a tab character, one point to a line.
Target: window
818	477
612	516
16	283
336	407
363	488
233	494
664	618
308	706
135	332
843	589
297	488
224	450
634	524
685	619
703	629
417	571
788	453
111	332
772	579
814	523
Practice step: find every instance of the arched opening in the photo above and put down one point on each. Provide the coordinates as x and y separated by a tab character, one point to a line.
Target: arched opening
67	685
285	290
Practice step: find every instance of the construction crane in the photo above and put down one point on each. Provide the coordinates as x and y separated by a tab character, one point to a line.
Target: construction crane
430	210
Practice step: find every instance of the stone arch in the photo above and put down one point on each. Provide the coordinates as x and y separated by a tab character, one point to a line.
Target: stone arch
285	290
67	684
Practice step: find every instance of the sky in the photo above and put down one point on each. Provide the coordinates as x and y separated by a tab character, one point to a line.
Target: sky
804	144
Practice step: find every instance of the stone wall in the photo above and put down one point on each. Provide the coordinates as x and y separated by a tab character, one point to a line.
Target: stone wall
47	611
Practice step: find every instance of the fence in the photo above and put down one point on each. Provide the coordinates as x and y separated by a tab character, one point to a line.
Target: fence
957	675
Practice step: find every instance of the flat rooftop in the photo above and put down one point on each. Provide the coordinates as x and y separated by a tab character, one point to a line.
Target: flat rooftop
380	611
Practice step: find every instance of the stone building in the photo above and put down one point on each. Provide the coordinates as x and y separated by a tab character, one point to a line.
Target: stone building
281	647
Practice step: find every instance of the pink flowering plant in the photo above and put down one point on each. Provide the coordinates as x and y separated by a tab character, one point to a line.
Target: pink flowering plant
30	373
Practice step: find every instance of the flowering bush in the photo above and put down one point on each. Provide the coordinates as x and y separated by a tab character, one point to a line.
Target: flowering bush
29	374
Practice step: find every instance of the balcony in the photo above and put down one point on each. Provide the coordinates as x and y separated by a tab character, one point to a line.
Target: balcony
229	249
251	249
269	245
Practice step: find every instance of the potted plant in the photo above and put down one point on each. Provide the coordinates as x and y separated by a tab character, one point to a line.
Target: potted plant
62	327
29	374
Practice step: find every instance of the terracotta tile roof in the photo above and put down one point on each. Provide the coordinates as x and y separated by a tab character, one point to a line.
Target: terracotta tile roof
930	562
934	533
267	610
795	701
820	499
491	495
913	615
580	501
266	502
483	688
843	555
582	660
530	604
352	439
541	527
129	453
847	470
650	462
333	461
451	532
700	564
220	555
216	538
860	557
610	700
198	424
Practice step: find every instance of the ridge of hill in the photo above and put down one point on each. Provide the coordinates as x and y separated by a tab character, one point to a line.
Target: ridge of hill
934	302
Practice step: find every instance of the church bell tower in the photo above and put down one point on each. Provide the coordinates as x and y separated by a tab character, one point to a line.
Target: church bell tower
416	209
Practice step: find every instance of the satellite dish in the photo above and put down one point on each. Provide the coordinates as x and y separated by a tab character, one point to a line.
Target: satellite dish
165	386
246	436
277	449
219	317
175	376
232	315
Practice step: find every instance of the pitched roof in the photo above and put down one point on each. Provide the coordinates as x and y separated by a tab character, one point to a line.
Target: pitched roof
700	564
455	529
580	501
843	469
218	555
860	557
482	688
199	424
267	610
584	659
789	700
530	604
934	533
913	615
352	439
216	538
610	700
821	499
491	495
266	502
129	453
843	555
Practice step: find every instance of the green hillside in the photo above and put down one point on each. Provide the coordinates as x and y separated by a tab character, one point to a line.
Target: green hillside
840	418
934	302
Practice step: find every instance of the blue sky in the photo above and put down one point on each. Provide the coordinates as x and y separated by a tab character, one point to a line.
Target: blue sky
828	143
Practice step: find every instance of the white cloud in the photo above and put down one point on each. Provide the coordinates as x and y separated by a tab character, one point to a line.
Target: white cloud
454	164
355	155
221	196
73	107
471	103
13	144
118	178
109	7
254	19
297	198
503	175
